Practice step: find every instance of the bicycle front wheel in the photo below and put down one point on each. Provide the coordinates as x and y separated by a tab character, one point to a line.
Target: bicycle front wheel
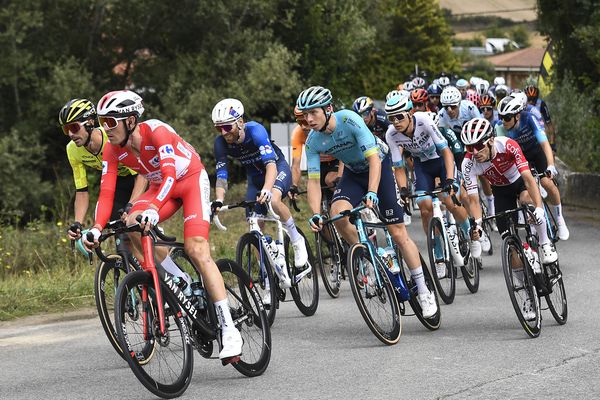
441	261
328	260
470	271
305	280
248	257
168	373
249	317
521	288
557	298
376	299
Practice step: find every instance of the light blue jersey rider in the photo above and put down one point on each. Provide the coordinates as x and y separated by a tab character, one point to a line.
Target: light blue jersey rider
467	111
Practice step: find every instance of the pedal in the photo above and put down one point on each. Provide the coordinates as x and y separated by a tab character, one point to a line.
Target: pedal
230	360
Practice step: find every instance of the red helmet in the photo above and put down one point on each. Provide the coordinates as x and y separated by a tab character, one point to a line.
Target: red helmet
419	96
487	101
532	92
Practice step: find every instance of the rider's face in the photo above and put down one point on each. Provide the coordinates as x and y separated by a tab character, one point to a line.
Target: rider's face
230	132
315	117
452	110
79	137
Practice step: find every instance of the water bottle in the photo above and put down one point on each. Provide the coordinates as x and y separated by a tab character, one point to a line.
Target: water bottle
532	258
387	255
185	288
280	255
199	295
271	247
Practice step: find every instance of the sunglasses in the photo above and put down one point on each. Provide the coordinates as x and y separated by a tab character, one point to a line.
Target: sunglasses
224	128
398	117
417	104
365	114
478	146
451	107
73	127
109	123
507	118
482	109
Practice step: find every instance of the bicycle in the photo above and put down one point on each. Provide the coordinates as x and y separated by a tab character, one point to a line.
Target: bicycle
257	254
448	248
551	225
373	283
160	327
525	286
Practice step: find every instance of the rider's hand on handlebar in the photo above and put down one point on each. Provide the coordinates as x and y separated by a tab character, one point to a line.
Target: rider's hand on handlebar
149	219
371	199
451	186
74	231
124	212
90	240
215	206
404	193
551	171
264	196
316	222
293	192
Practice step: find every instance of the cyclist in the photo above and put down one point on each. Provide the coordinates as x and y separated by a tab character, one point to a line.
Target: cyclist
375	119
433	93
525	129
533	93
177	177
367	176
269	175
456	111
419	100
501	91
487	108
329	165
462	85
502	162
77	119
418	133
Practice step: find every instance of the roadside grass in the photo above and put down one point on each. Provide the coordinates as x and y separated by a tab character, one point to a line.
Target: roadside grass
40	274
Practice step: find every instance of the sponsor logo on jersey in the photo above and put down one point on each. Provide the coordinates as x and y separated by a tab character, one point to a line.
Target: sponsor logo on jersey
166	151
266	149
189	218
154	161
281	176
186	152
104	167
166	189
123	156
149	148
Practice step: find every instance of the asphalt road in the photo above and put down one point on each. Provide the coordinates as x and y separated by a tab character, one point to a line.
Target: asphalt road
480	351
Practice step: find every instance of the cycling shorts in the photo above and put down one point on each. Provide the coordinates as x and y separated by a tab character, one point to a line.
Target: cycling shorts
425	174
505	198
353	187
193	192
283	182
537	159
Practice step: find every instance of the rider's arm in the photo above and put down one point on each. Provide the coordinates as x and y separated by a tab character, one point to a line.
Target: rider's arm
448	162
82	201
139	187
314	180
221	159
400	174
470	177
542	139
296	174
532	188
108	184
82	197
441	144
374	172
270	175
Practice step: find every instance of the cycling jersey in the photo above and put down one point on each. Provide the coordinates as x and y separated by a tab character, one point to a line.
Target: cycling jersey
536	113
541	106
529	134
454	142
505	168
299	136
80	157
254	153
426	143
466	112
165	159
379	124
351	142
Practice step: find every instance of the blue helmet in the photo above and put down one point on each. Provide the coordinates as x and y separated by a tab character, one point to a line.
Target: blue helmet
314	97
462	84
363	105
434	90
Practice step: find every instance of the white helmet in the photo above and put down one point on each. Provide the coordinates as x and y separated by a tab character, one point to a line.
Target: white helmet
434	116
443	81
510	105
450	96
520	96
499	80
501	88
482	87
474	80
398	104
120	103
476	130
408	85
402	93
227	111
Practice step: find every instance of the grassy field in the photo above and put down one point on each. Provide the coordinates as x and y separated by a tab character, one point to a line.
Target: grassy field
40	274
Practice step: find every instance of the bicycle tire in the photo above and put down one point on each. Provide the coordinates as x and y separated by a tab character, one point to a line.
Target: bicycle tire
305	292
388	331
557	298
432	323
249	317
512	246
551	226
470	271
262	277
151	374
328	256
446	285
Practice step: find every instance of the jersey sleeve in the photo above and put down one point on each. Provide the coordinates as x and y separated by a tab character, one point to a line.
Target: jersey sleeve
362	134
313	162
298	140
545	112
221	158
500	130
469	175
395	151
438	139
108	183
79	173
515	152
540	134
163	140
260	138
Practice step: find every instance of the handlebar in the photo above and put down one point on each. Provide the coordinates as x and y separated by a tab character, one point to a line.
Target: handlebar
434	194
242	204
525	208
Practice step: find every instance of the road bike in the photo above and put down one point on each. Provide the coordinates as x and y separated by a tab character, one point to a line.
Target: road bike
264	260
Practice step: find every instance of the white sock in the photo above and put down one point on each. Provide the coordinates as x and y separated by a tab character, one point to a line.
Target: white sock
491	206
169	265
558	211
292	231
419	278
224	315
542	233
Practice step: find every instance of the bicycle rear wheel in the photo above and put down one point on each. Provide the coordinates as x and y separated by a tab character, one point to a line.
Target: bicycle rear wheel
557	298
168	373
328	260
521	288
249	317
376	301
305	280
446	282
248	257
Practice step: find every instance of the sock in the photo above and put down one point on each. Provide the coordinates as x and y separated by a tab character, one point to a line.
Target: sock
558	211
292	231
224	315
419	278
169	265
542	233
490	204
465	226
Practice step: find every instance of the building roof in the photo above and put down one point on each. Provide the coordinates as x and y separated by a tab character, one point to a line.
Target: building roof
529	58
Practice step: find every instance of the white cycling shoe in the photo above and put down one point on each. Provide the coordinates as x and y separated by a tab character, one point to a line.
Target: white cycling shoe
440	269
232	344
563	231
528	313
475	247
427	303
300	254
267	298
548	253
485	242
